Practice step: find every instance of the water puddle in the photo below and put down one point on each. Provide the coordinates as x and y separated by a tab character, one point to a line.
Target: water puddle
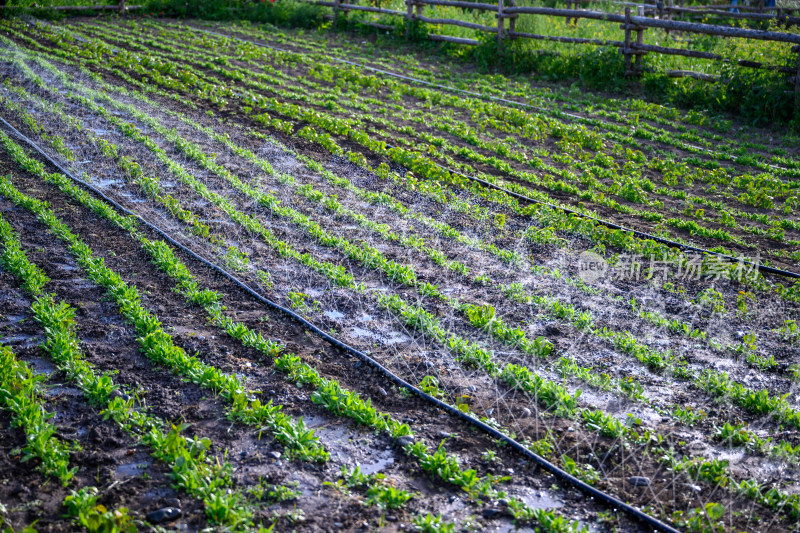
351	446
41	366
452	507
382	460
361	332
394	337
58	390
131	469
134	198
535	499
12	319
511	528
334	315
106	182
22	341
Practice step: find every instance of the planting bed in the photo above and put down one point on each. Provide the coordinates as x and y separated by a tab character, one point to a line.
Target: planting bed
140	386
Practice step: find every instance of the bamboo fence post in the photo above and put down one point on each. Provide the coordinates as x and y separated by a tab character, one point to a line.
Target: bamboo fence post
669	14
413	12
122	6
627	49
500	25
512	19
639	42
409	16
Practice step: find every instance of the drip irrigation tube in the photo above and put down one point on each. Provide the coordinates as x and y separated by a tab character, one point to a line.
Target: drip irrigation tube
606	498
611	225
687	247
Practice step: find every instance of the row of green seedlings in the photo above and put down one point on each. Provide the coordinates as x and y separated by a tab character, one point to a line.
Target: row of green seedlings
623	384
565	405
573	461
325	101
324	59
516	337
622	232
163	258
132	170
541	345
617	149
544	98
378	491
499	328
328	393
192	468
168	262
21	395
20	389
156	344
617	237
679	222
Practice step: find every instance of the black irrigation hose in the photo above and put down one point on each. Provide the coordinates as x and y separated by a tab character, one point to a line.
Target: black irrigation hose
761	268
540	461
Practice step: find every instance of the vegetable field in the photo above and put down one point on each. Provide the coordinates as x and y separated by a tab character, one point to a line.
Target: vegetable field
416	223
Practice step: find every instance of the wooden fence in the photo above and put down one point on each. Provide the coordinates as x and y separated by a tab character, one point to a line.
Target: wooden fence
633	27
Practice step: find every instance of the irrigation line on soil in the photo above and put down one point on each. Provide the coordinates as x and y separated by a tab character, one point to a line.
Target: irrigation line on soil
541	461
611	225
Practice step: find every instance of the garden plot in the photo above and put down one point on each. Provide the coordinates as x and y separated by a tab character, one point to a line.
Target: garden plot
327	189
